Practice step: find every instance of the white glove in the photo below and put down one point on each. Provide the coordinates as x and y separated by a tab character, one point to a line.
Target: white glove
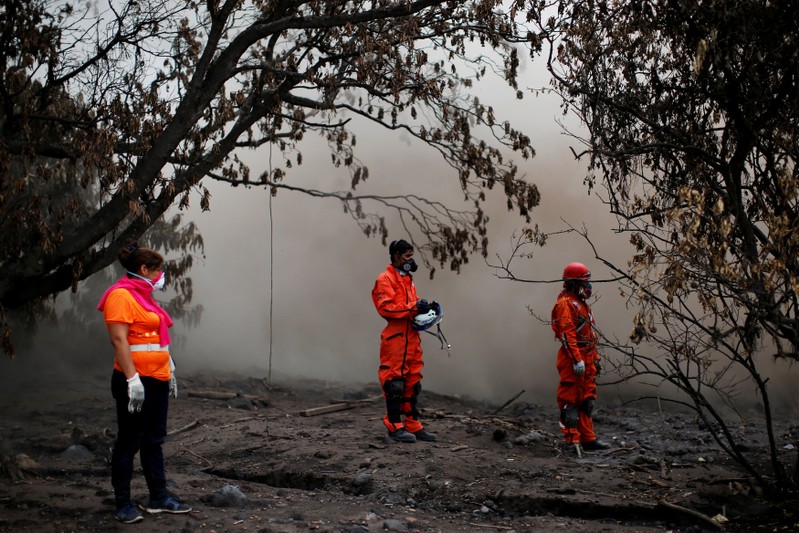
173	382
579	368
135	393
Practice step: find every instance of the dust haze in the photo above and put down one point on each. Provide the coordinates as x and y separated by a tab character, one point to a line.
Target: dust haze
324	324
323	268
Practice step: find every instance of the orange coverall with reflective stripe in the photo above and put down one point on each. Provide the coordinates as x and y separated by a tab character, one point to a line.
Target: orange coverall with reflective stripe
394	297
574	327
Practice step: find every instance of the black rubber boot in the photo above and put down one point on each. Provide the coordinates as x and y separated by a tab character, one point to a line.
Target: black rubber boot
425	435
594	446
402	435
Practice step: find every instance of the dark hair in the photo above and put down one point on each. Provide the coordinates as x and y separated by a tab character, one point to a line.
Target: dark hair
399	247
132	257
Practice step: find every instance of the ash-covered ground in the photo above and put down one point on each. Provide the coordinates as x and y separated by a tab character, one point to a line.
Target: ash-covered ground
242	454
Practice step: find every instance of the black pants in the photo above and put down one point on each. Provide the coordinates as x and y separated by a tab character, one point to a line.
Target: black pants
142	432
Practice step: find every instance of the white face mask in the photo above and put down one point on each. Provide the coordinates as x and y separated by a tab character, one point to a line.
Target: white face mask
159	285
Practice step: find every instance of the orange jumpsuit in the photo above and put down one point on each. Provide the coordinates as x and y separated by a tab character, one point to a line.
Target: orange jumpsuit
574	327
400	372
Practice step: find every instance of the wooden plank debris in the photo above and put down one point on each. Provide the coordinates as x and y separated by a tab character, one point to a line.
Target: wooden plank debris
706	519
226	395
504	405
187	427
339	406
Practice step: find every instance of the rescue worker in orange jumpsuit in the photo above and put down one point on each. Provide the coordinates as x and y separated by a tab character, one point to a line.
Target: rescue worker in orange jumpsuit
578	359
400	373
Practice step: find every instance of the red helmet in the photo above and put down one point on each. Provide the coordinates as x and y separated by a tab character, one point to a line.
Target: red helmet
576	271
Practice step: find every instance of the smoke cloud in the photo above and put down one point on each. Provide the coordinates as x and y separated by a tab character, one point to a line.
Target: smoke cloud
319	279
324	324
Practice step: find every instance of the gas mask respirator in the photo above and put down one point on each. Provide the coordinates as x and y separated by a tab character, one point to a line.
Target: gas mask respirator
409	266
588	290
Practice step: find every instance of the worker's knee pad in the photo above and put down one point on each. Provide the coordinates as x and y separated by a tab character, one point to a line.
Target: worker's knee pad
587	406
569	417
412	401
394	388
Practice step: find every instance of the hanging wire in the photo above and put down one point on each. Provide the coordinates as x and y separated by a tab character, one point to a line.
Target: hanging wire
271	269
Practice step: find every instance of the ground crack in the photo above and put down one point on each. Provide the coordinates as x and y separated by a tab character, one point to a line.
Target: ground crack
282	479
586	509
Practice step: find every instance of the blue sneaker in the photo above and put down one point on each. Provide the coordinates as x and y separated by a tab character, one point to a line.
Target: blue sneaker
128	514
167	505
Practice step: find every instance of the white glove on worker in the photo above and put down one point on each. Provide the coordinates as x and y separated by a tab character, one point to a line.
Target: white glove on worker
135	393
173	382
579	368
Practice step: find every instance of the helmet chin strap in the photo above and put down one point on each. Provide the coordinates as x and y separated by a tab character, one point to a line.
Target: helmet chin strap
440	336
